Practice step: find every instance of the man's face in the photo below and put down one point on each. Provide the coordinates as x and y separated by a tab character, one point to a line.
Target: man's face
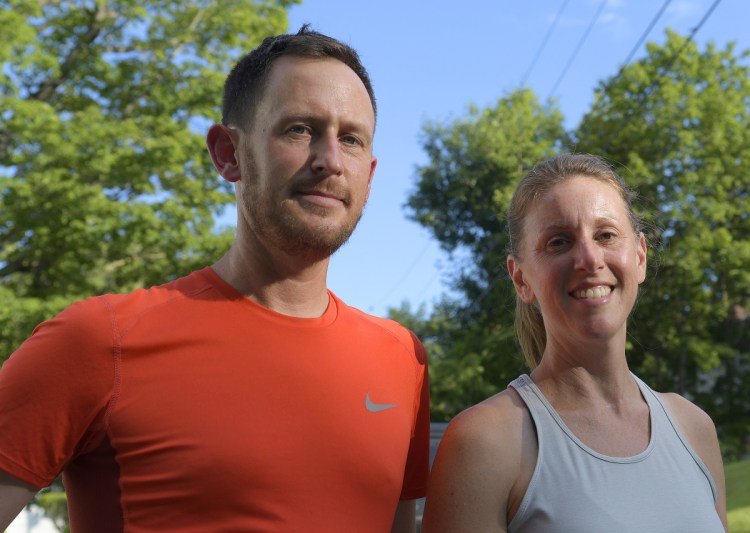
306	160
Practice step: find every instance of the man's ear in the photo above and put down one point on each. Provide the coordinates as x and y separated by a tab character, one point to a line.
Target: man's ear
373	164
516	274
222	143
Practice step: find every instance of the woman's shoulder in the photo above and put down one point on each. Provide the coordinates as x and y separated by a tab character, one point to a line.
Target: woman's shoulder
695	425
692	421
495	437
492	419
481	468
699	430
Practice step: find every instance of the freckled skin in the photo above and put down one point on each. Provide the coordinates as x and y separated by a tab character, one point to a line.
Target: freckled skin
306	160
579	236
302	166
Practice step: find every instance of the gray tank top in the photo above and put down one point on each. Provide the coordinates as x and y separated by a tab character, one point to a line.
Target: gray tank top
665	488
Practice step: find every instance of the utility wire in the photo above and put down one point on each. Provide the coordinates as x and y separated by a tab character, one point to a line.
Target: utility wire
654	85
405	274
422	292
645	33
544	43
671	62
578	48
630	56
538	53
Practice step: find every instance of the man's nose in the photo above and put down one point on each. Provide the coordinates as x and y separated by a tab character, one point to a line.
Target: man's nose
326	157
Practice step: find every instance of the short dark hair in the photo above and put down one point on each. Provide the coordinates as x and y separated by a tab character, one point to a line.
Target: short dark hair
244	86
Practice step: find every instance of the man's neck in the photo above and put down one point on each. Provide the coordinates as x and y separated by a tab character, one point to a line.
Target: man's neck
289	285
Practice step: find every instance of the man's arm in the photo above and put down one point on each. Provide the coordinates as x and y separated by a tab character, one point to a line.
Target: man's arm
14	495
405	520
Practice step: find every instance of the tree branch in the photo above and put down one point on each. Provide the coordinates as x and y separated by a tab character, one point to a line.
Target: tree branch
194	24
47	88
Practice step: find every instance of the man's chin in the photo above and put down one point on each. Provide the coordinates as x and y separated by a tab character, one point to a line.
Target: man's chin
301	235
315	247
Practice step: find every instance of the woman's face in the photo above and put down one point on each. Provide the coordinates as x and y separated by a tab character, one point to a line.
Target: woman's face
580	260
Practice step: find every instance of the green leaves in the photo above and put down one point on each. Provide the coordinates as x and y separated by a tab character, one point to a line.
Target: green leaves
105	182
677	124
462	195
687	156
477	159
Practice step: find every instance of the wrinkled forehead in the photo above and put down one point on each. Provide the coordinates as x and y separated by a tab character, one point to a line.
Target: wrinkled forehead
299	77
576	201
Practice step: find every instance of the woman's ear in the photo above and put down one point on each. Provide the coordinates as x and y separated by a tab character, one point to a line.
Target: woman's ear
641	257
519	282
222	142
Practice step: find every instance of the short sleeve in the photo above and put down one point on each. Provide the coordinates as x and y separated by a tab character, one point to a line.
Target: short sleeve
418	461
55	391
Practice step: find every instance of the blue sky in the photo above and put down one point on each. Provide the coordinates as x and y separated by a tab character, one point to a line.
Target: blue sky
430	59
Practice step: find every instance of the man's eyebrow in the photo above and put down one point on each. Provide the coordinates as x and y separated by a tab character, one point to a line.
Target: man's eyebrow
303	116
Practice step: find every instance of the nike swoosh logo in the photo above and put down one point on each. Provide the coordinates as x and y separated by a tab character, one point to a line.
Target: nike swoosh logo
377	407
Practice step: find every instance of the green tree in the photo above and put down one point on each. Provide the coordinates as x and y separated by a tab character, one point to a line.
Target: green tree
677	123
461	196
105	184
53	503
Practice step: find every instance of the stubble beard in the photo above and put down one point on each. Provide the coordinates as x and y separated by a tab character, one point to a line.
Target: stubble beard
274	224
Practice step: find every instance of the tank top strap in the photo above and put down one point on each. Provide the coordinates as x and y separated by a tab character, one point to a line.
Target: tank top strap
664	428
573	488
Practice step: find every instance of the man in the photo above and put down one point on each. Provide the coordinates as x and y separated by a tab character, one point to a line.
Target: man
245	396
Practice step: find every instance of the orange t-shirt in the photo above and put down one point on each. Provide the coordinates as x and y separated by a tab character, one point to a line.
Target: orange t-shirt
188	407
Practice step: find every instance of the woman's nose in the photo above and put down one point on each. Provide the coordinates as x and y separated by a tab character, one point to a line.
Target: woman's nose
588	255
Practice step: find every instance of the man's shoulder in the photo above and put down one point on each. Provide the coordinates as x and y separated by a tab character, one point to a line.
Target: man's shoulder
384	326
121	306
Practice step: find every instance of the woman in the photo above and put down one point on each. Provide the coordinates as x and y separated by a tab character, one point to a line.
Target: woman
581	445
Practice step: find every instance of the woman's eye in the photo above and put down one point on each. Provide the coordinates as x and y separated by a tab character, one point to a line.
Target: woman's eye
557	242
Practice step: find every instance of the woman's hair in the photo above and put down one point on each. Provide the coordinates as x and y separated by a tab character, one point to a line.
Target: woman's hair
529	323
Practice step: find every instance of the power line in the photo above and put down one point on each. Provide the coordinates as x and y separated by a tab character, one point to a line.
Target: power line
544	43
654	85
646	32
405	274
632	53
580	44
538	53
491	284
422	292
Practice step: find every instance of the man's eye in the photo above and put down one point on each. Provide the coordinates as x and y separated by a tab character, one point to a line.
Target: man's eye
299	130
350	139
